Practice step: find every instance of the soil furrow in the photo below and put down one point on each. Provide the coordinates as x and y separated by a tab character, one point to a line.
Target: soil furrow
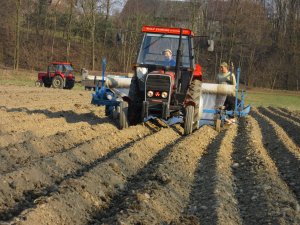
22	127
285	154
21	121
95	189
22	186
263	197
8	140
70	116
160	192
227	208
287	114
43	97
279	133
29	152
291	127
212	199
295	113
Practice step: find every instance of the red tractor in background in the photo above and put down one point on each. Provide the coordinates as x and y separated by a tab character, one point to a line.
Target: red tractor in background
58	75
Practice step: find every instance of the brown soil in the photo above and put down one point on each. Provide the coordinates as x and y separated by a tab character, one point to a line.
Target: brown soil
63	162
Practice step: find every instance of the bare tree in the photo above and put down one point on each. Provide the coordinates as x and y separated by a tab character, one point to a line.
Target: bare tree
69	26
89	8
17	41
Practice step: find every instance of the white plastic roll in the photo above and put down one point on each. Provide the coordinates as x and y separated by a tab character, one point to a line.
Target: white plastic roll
220	89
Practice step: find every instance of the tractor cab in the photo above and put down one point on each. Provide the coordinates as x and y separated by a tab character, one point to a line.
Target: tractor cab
61	68
156	40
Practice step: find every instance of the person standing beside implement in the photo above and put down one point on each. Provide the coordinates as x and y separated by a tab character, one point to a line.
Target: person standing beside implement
225	76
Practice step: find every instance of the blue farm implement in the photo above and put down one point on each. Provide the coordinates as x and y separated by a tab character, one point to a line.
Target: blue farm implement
110	97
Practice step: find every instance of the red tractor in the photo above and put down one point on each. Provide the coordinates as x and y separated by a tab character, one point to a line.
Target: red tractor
58	75
163	90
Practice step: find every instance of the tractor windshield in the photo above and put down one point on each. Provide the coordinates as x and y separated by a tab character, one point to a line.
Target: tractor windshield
60	67
68	67
154	45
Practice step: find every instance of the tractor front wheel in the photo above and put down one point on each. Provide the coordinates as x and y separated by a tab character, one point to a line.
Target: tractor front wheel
39	83
189	120
136	103
58	82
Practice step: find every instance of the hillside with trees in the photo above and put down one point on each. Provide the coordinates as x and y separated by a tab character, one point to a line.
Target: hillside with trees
260	36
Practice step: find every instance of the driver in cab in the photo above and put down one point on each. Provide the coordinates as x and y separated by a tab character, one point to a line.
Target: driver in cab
168	59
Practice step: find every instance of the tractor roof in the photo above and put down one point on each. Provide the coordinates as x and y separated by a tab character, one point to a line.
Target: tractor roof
60	63
166	30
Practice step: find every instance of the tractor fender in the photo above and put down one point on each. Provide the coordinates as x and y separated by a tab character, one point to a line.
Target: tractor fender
197	74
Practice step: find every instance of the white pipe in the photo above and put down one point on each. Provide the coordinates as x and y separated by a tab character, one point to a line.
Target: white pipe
220	89
124	82
118	82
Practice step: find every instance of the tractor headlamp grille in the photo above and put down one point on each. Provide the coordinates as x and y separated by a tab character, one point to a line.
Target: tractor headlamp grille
158	88
158	82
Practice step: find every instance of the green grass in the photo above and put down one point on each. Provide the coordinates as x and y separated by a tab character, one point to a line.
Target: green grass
284	99
23	78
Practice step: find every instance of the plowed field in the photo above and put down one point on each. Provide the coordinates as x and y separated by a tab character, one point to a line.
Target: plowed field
63	162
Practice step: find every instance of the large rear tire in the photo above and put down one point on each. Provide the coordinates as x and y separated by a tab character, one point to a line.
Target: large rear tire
189	120
58	82
195	92
123	115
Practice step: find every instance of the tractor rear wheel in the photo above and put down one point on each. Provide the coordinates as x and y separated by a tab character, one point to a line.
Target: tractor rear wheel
189	119
123	115
58	82
195	91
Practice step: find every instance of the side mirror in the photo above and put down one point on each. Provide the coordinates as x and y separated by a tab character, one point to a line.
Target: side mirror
204	43
211	45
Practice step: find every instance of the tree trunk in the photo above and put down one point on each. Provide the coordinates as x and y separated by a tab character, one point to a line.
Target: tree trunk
69	29
93	38
17	41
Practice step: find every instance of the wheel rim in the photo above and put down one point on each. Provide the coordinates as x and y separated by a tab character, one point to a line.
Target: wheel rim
56	83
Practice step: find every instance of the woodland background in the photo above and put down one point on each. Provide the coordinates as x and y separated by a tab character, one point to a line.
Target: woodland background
260	36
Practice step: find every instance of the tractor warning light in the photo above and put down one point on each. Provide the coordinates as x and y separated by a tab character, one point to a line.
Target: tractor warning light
157	94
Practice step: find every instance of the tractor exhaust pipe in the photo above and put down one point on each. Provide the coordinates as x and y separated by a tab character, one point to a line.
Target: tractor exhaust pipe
178	63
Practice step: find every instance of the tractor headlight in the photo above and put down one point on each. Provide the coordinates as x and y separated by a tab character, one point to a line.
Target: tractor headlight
150	94
164	94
